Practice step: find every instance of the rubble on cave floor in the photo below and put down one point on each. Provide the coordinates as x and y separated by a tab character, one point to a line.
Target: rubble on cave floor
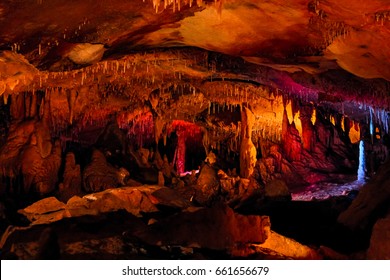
326	190
192	233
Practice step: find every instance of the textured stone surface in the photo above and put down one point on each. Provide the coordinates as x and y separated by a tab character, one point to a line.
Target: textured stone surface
288	247
215	228
380	240
45	211
100	175
372	200
71	184
277	189
135	200
207	185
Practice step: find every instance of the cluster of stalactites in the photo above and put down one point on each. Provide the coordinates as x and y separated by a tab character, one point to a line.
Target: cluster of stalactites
382	17
380	117
176	4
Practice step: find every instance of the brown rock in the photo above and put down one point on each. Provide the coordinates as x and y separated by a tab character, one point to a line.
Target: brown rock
372	197
21	156
45	211
50	204
277	189
99	175
161	181
330	254
169	198
215	228
135	200
207	186
71	185
288	247
380	240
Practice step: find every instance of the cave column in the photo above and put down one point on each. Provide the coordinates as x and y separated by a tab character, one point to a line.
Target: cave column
180	153
307	128
248	150
291	141
17	108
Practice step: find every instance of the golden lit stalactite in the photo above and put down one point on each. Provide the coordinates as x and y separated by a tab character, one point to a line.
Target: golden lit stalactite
377	133
289	112
314	116
298	123
382	17
178	4
332	120
354	133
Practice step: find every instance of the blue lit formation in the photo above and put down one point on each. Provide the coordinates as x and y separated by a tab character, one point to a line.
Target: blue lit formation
362	162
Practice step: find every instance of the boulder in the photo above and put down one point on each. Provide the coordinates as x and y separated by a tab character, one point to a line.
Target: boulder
380	240
372	201
45	211
287	247
229	185
89	237
207	186
218	228
277	189
135	200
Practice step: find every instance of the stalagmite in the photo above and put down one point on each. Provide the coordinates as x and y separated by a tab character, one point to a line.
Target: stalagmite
247	150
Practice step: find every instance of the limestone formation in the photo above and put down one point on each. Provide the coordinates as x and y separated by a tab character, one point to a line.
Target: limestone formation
207	228
71	184
247	150
100	175
207	186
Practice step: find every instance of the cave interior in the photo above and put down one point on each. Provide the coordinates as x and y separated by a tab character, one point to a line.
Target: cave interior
183	129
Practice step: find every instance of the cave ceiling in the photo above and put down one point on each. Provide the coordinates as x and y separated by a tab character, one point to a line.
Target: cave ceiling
120	53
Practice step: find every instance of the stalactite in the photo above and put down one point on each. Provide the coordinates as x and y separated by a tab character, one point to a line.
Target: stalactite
72	96
33	105
27	104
